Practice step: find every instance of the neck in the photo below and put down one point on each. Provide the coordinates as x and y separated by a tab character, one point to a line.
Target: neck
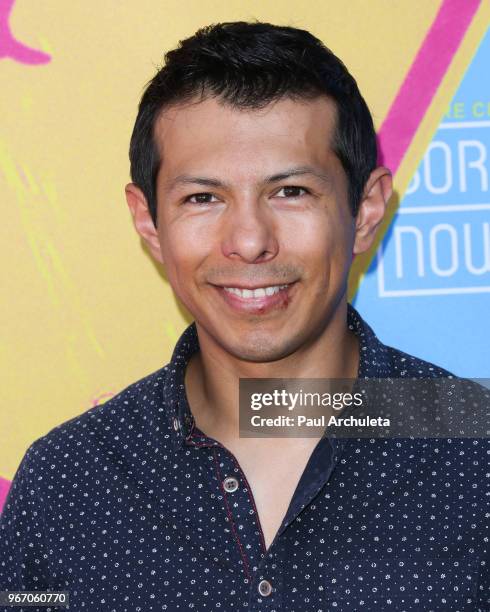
212	375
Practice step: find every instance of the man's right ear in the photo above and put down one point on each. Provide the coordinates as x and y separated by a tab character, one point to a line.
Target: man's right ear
142	220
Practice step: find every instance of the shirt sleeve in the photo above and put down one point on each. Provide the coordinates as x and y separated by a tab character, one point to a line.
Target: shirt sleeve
23	550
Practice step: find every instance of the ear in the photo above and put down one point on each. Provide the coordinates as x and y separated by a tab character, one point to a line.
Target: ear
377	192
142	220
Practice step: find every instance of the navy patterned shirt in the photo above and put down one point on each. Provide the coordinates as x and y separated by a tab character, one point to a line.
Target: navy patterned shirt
130	507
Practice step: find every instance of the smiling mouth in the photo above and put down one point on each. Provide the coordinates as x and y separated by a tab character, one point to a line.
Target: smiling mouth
257	300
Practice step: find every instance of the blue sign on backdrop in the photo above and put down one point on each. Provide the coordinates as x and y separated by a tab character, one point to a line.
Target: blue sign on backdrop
428	288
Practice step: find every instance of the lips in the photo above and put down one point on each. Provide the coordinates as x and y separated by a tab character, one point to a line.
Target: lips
253	301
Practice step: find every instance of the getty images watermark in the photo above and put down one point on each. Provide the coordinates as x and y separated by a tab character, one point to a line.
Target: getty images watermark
302	400
382	408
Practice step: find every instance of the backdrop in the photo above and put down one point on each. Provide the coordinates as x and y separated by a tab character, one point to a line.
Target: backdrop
85	312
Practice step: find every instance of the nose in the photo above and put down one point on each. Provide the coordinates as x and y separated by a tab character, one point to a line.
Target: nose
249	232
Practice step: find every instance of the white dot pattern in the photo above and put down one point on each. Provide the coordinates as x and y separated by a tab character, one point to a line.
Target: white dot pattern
125	507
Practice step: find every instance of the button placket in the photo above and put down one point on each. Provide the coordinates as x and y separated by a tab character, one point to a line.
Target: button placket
267	589
238	503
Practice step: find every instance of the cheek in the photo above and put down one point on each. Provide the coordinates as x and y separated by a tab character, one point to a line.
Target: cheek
324	250
320	241
184	246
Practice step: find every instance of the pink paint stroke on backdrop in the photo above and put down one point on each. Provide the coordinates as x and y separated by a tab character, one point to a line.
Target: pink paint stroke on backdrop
423	79
96	400
4	489
13	48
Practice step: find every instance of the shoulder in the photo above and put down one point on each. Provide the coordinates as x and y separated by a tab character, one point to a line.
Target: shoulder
128	410
406	365
440	402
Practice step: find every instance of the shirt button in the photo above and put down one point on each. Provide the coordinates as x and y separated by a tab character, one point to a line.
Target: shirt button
230	484
176	424
265	588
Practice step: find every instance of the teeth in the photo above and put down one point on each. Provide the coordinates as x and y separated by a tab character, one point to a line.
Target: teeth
255	293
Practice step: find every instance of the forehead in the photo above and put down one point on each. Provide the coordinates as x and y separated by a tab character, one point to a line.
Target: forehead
212	135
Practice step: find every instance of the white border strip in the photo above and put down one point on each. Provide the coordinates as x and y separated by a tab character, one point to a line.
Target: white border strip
454	125
410	210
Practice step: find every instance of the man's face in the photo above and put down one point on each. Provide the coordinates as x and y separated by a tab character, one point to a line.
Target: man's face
254	199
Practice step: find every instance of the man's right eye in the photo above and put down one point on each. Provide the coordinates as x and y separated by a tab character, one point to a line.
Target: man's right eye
200	198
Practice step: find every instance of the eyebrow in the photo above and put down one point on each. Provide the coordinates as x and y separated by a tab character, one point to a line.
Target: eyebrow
186	179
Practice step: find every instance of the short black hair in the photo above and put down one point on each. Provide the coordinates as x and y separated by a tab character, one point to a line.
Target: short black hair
249	65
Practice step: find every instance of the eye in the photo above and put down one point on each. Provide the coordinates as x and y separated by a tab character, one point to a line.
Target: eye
200	198
292	191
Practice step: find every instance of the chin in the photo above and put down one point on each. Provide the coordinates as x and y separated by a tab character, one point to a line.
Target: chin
266	356
261	348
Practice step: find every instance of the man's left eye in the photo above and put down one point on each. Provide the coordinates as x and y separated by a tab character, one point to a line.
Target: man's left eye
292	192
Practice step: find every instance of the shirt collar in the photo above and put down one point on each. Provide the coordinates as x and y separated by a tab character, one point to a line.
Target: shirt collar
374	362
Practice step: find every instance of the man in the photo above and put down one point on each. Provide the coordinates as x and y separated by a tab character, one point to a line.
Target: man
253	161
